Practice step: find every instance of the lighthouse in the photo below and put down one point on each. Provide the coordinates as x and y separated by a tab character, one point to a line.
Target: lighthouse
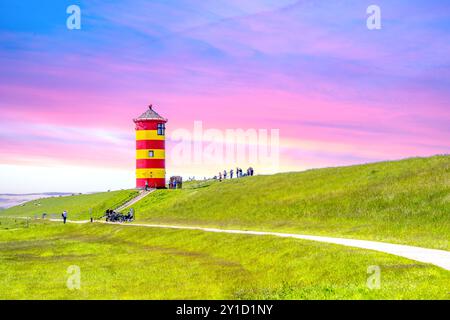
150	150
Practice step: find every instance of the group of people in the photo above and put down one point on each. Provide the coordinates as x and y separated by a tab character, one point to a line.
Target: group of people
176	182
239	173
110	215
113	216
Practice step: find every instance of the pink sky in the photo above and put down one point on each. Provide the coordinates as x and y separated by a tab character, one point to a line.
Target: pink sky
339	93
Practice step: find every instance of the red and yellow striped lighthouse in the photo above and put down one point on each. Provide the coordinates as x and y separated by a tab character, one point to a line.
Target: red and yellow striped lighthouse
150	150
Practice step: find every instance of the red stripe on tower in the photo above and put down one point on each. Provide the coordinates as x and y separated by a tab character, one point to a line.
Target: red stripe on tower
150	163
141	183
150	144
147	125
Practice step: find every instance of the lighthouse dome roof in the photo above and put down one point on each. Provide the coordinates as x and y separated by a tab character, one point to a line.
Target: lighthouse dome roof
150	114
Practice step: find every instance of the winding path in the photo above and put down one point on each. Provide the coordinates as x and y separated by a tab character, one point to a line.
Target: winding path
139	197
440	258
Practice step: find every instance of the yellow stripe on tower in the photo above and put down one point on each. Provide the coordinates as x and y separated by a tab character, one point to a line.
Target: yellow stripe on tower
150	173
148	135
145	154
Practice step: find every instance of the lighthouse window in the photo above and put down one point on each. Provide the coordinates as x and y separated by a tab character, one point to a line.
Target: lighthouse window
151	153
161	129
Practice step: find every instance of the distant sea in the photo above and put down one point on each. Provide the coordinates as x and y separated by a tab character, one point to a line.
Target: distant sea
11	200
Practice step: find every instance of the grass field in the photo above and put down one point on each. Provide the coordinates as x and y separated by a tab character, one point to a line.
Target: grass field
7	223
404	201
131	262
77	206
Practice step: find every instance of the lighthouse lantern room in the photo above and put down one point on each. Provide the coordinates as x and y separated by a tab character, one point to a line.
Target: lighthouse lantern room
150	150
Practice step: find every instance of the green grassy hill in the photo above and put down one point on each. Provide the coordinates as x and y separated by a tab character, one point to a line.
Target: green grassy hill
405	201
77	206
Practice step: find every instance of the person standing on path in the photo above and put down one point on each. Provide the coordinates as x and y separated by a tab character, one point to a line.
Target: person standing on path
64	216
